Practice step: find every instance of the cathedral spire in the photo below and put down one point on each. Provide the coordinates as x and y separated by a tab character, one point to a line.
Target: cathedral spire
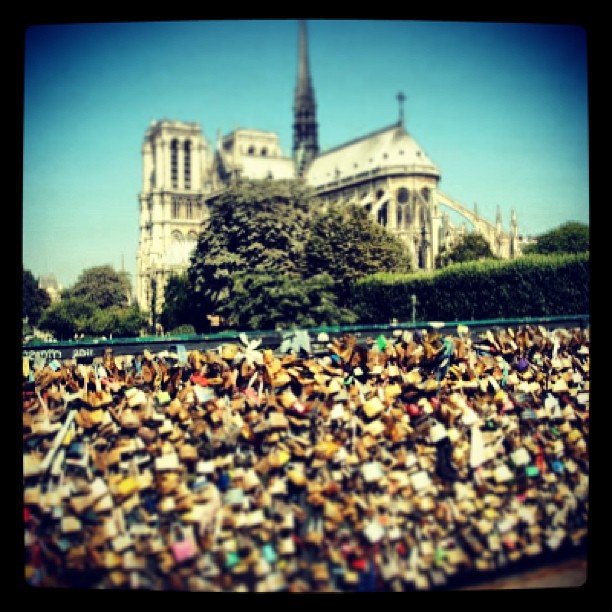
305	138
304	86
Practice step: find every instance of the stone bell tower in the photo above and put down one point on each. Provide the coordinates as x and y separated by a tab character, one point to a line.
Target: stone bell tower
176	177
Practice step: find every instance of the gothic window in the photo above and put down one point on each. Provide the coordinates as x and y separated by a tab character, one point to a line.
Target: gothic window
187	170
251	150
176	207
402	195
264	152
174	163
368	207
192	237
177	237
408	215
422	215
382	215
379	194
426	192
399	216
189	205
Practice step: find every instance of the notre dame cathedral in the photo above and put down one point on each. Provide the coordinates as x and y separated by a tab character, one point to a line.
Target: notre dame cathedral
385	171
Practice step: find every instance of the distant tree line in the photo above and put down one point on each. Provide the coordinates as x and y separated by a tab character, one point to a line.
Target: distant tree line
96	305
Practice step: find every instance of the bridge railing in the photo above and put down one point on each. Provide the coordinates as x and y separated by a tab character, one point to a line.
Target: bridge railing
313	339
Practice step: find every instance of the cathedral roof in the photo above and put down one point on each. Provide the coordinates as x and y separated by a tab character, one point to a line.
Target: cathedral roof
391	147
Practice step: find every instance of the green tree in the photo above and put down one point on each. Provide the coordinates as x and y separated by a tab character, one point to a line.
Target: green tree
34	300
185	329
78	316
101	286
130	321
346	243
571	237
254	226
470	248
178	307
102	322
273	300
67	317
118	322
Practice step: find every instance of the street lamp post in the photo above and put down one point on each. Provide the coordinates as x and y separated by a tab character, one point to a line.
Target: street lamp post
423	249
153	300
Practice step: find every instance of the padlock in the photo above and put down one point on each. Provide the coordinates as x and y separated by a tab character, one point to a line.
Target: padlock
183	547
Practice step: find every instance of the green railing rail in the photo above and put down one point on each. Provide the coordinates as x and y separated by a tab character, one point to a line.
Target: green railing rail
89	348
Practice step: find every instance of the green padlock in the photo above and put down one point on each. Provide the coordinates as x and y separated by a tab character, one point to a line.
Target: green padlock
231	559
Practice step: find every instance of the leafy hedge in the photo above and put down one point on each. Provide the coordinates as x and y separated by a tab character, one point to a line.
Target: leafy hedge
530	286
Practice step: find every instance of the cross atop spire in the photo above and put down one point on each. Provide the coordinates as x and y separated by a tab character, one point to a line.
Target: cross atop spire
401	98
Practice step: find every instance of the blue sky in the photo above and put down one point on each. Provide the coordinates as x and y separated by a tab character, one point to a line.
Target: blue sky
501	108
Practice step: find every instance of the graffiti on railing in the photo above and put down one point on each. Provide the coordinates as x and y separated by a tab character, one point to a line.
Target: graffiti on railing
48	354
44	354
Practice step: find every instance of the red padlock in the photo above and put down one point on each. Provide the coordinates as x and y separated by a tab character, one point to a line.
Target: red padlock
413	410
198	379
541	463
359	564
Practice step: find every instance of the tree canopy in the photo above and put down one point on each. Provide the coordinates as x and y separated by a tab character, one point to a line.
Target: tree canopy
67	317
178	307
346	243
73	316
254	227
96	305
470	248
273	300
270	256
34	300
571	237
102	286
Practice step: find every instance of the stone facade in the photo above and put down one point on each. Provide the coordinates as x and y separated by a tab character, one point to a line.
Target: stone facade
177	171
